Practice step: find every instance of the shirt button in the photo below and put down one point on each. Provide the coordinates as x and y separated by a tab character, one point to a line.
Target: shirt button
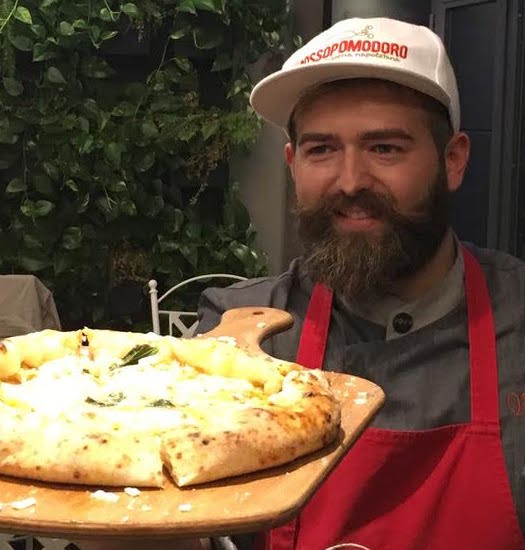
402	323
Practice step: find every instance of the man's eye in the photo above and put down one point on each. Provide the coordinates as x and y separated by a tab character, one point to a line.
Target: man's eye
386	149
319	150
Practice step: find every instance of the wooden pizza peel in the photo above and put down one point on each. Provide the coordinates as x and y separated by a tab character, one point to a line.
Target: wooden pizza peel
245	503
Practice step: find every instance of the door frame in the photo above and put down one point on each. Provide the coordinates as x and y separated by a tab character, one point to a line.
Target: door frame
505	165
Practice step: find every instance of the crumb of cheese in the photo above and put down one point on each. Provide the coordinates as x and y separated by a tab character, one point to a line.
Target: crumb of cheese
22	504
104	495
132	491
227	340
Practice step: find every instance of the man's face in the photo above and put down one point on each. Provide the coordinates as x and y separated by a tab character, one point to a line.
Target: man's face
372	191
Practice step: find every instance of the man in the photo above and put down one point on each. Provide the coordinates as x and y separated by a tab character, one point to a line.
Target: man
372	112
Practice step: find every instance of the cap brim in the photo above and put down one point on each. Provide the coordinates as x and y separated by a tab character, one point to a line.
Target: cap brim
275	96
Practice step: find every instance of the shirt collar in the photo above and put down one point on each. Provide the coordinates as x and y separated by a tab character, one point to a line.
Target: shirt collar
434	305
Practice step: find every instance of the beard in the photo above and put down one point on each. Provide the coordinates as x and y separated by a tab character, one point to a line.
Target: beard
356	263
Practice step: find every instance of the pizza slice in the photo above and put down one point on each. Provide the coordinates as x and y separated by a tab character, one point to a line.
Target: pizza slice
115	408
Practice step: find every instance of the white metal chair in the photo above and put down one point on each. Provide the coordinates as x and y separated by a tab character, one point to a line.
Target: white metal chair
175	318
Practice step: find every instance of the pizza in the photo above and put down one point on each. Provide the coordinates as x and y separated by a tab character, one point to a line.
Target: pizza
101	407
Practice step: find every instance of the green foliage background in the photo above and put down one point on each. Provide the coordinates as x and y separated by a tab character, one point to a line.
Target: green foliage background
110	164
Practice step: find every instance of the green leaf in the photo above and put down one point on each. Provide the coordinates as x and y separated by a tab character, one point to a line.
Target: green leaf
39	30
114	153
71	184
108	35
95	67
7	136
149	129
83	123
207	38
41	52
47	3
23	14
152	206
130	9
43	208
51	170
91	106
30	263
94	34
55	76
178	219
175	35
193	230
16	185
166	244
36	209
208	5
66	29
191	253
106	15
12	86
72	238
145	162
80	24
31	241
210	127
21	42
118	186
105	205
242	253
127	206
187	6
222	61
83	203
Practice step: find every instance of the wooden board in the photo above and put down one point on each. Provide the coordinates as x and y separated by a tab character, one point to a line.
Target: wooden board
245	503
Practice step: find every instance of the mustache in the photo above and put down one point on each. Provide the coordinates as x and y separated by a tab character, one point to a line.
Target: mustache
379	205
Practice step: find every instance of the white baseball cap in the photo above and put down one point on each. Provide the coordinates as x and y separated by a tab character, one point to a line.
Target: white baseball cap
382	48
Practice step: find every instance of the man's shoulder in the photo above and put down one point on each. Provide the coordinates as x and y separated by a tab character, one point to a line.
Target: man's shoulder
259	291
505	276
496	260
262	292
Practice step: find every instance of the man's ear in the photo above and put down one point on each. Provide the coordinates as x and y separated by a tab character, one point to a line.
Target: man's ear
456	159
289	156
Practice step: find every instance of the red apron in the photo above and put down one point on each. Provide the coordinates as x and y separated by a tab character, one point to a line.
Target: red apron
445	488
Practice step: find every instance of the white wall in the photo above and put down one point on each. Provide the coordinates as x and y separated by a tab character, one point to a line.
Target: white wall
263	175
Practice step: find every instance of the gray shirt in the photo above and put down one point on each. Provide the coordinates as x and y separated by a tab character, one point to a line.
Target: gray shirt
424	372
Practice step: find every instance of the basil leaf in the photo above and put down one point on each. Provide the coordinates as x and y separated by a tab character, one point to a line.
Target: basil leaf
136	353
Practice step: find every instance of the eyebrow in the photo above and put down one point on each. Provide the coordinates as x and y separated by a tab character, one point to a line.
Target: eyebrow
372	135
387	133
318	137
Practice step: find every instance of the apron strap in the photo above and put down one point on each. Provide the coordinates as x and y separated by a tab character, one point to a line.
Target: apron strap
310	353
314	333
484	395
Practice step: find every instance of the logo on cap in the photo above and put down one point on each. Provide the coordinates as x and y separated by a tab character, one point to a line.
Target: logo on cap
359	47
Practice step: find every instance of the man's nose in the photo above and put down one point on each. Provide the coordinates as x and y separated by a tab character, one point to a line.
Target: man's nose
353	174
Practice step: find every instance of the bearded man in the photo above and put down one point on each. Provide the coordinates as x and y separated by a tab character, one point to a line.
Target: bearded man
371	110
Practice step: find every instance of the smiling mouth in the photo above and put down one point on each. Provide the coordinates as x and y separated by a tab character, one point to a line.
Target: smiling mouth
357	219
355	213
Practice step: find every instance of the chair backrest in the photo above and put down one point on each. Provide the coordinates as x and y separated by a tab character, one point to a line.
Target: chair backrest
185	321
